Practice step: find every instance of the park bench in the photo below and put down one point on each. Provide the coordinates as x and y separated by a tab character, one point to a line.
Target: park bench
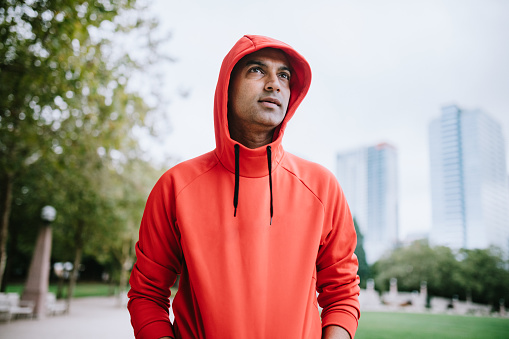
53	306
12	307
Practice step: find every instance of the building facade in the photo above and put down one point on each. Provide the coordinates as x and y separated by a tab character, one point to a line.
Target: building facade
469	183
368	177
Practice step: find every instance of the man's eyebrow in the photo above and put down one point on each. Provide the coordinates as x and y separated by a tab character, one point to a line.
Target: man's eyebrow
255	62
285	68
260	63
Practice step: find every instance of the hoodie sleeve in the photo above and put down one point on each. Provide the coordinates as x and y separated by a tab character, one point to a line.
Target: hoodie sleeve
158	262
337	265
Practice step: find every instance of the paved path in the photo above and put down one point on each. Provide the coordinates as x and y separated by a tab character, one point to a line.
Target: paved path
89	318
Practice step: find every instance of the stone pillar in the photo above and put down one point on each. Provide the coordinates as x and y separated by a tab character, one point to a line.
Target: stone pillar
36	287
455	303
469	298
370	285
423	294
394	286
424	288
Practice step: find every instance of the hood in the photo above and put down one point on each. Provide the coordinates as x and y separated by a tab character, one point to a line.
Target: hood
254	163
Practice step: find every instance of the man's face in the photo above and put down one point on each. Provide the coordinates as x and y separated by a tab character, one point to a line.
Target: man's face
259	91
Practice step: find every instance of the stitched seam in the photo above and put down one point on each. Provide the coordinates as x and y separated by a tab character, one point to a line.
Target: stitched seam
303	183
198	176
252	42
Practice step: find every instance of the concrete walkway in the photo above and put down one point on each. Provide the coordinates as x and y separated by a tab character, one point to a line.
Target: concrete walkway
97	318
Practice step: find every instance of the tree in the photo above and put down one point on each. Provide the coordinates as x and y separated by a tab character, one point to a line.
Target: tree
129	194
480	274
364	270
65	106
485	275
419	262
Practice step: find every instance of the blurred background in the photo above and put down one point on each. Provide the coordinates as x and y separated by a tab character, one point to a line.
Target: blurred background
408	107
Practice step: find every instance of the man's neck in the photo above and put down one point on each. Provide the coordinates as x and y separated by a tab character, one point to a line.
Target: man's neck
251	139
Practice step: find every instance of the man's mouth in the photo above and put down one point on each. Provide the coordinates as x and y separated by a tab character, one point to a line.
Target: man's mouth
271	101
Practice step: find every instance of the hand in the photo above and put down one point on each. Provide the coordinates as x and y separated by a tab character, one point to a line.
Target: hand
335	332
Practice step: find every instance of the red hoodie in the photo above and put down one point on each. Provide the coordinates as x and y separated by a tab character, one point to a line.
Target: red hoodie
249	275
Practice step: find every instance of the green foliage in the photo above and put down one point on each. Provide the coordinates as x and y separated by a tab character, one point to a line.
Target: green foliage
126	194
479	274
364	270
485	275
56	86
67	126
423	326
414	264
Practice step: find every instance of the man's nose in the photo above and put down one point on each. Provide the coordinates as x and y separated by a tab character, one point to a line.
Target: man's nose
273	84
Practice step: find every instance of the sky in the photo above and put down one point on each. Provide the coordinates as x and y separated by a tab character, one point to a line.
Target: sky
382	70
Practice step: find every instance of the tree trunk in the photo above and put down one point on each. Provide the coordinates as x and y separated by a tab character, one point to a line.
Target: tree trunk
74	275
4	227
124	273
77	262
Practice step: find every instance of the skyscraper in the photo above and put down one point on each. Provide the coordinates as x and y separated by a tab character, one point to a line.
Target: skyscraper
368	177
469	185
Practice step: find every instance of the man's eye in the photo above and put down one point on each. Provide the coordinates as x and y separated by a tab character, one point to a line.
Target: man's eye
285	76
256	70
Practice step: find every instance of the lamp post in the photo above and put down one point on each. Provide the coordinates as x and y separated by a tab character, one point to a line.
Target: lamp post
63	272
36	287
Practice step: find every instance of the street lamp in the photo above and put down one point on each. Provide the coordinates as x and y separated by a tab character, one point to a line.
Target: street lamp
36	287
63	272
48	214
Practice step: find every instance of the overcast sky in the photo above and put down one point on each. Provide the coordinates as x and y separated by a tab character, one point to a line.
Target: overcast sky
382	70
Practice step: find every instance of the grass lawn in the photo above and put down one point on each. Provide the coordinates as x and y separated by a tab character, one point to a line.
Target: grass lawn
381	325
83	289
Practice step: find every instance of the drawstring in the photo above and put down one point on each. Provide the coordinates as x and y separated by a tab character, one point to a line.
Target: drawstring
236	192
269	161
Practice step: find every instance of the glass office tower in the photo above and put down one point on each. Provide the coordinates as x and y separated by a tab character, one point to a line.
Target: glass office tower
469	185
368	177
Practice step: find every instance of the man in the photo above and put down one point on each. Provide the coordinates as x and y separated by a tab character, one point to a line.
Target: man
253	231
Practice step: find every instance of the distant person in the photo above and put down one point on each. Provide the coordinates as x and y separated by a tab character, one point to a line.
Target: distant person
253	231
